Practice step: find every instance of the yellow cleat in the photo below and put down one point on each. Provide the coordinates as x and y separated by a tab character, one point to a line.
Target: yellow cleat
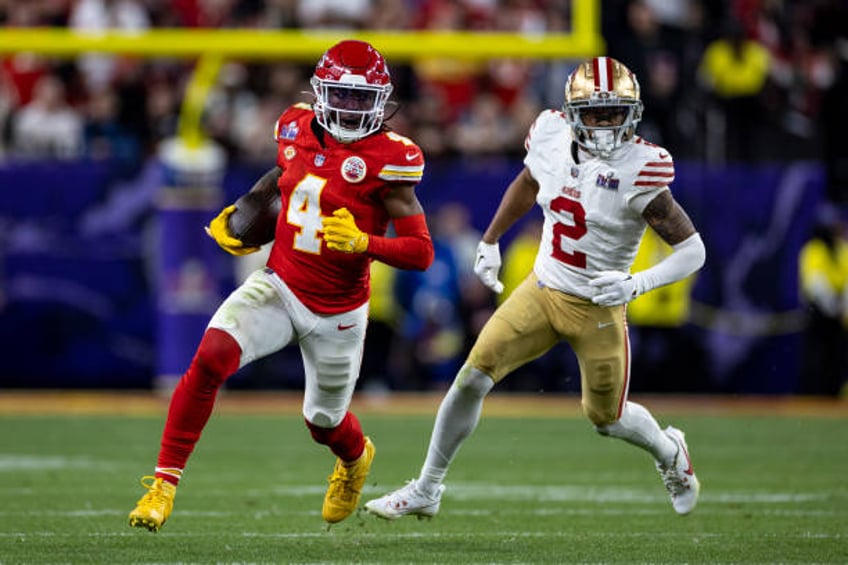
153	508
346	484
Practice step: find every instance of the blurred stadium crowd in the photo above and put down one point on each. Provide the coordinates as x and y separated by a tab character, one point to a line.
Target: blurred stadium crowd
723	81
700	102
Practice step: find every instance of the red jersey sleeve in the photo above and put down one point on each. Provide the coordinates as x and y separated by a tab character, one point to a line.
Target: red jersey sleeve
287	127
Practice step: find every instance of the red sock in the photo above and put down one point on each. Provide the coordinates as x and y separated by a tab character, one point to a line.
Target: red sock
217	357
345	440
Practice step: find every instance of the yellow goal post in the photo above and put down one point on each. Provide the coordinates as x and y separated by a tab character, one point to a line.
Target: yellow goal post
212	47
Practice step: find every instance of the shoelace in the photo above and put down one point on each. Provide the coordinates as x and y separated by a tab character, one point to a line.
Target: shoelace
411	487
339	482
411	491
674	482
154	493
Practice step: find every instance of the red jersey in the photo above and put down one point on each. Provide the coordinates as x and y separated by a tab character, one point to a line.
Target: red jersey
320	175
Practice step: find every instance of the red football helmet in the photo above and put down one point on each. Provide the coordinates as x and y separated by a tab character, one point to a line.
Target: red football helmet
351	85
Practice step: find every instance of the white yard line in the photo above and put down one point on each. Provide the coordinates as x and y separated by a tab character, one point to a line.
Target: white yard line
505	534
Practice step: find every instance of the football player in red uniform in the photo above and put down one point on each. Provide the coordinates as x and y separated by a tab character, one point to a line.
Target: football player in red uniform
342	177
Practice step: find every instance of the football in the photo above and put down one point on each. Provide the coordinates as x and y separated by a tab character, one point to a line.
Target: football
255	218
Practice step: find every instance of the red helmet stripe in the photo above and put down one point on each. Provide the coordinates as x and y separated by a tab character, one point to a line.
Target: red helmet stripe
596	72
602	69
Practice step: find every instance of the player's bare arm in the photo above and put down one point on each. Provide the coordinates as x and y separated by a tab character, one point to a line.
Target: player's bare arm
402	202
267	183
236	229
519	198
668	219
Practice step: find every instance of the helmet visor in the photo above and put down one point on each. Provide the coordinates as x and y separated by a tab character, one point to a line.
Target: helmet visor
602	128
603	116
349	107
349	111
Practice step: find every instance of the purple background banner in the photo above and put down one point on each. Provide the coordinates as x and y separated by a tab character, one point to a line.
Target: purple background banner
80	276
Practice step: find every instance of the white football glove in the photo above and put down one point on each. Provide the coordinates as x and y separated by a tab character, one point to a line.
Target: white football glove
613	288
488	264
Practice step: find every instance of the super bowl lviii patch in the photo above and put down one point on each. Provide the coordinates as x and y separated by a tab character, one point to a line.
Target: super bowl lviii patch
608	181
288	131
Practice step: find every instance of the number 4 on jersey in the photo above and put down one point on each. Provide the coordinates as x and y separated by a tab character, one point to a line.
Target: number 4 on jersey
304	212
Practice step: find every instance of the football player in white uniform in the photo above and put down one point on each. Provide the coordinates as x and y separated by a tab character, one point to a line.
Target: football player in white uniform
599	185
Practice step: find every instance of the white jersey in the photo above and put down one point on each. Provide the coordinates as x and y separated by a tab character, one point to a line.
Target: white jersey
592	206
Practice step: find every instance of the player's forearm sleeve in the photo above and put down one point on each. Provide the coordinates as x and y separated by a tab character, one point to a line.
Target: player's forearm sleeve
688	256
412	247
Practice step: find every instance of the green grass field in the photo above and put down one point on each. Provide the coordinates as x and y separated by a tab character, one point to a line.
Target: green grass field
523	490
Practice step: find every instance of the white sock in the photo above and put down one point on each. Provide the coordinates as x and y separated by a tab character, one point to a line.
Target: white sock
638	427
456	420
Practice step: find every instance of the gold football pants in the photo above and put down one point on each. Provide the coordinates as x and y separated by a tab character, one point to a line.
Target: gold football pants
535	318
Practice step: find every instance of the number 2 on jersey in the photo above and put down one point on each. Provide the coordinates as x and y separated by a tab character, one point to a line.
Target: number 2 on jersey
572	231
304	211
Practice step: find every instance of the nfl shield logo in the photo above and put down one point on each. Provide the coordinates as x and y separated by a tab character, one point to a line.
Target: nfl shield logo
319	160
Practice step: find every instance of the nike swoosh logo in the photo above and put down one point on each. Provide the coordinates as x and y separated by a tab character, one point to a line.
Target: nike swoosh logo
342	327
689	471
411	156
663	155
602	325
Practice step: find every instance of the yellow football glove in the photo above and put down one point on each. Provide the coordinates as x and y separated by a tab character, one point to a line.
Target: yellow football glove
217	230
341	233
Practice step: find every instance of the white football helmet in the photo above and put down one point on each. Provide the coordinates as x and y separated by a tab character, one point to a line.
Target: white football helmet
602	83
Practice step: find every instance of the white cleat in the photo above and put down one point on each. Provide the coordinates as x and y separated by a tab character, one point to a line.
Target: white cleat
679	477
406	501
